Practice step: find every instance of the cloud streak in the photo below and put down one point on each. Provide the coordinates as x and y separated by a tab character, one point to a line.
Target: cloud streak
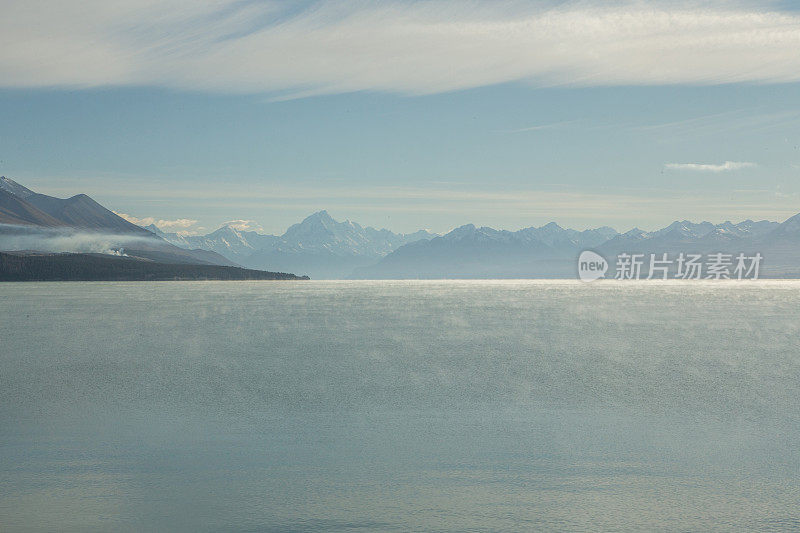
244	225
539	127
166	225
701	167
406	47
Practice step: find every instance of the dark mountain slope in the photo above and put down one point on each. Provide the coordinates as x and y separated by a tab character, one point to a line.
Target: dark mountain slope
82	212
32	266
15	210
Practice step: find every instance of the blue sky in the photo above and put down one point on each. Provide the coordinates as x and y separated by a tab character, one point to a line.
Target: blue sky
407	114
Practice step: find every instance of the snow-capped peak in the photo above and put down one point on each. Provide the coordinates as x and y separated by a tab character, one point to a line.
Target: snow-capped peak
15	188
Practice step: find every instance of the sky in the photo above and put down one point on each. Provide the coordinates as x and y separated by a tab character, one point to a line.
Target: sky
406	114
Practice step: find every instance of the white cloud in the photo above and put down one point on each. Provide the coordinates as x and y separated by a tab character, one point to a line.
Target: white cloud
181	223
166	225
244	225
407	47
135	220
700	167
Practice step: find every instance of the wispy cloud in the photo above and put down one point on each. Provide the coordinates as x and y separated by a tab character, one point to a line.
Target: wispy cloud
539	127
167	225
244	225
181	223
401	46
702	167
751	120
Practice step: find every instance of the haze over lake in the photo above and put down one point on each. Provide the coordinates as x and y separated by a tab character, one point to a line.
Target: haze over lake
400	406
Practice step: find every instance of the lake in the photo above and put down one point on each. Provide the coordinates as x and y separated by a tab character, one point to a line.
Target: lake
400	406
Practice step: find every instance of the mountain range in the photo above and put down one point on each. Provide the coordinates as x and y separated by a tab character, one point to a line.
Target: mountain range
472	252
318	246
551	251
324	248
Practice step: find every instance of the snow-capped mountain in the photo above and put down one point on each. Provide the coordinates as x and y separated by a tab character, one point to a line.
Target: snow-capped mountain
321	233
689	236
227	241
777	243
325	248
554	235
318	245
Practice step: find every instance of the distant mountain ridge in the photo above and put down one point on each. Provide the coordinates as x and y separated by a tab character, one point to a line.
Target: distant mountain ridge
551	251
683	233
472	252
318	245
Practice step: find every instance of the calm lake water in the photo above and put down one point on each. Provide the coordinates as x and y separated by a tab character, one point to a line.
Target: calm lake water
400	406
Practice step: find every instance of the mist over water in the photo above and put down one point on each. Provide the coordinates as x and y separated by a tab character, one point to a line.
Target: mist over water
57	240
400	406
